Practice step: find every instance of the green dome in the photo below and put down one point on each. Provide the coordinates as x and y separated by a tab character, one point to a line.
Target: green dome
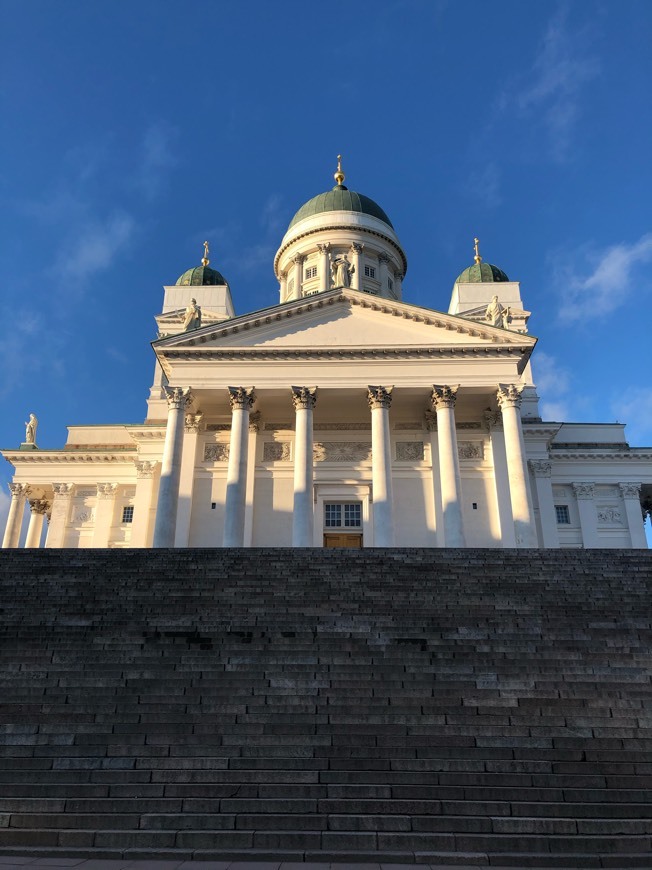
201	276
340	198
481	273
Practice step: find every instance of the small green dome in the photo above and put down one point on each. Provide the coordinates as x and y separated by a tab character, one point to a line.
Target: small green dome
201	276
340	198
481	273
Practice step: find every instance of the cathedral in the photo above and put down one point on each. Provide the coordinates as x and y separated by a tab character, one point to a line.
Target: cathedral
342	416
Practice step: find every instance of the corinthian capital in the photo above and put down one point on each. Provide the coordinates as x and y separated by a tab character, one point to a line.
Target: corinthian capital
106	490
63	490
19	490
144	468
39	505
630	490
379	397
540	467
356	248
298	258
178	397
242	398
192	421
324	248
443	396
585	489
509	396
254	421
304	398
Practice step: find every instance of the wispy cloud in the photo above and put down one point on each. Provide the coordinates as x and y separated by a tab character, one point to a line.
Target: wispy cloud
157	158
551	91
273	217
553	383
484	184
634	405
593	283
95	249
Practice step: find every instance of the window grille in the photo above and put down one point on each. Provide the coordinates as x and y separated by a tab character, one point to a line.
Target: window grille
369	272
128	514
563	514
311	272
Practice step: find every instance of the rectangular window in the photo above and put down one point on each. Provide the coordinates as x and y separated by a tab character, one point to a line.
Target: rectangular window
369	272
353	514
390	283
563	514
333	515
311	272
128	514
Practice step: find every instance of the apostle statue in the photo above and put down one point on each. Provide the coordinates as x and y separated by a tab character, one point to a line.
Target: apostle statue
30	429
495	313
341	271
192	318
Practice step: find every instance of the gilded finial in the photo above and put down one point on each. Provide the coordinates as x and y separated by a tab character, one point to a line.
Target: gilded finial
339	175
205	261
477	258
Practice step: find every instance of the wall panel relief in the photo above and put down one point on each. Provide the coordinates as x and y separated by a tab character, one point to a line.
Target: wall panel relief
409	451
341	451
216	453
470	449
277	451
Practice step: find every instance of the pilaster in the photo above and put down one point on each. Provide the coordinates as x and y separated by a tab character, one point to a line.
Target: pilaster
631	495
56	537
324	267
356	259
252	452
542	472
298	261
585	494
191	428
104	514
142	531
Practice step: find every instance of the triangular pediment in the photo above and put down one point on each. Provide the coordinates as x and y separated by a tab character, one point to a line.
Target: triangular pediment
345	320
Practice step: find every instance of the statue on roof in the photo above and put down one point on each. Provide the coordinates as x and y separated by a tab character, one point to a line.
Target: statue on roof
192	317
30	429
496	314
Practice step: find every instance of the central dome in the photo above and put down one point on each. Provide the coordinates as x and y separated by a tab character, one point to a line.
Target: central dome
340	198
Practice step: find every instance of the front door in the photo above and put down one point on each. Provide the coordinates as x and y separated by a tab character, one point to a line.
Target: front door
340	540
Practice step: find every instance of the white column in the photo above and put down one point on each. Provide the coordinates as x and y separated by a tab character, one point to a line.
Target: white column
584	495
142	530
304	399
356	251
56	537
324	267
380	399
509	400
298	260
542	471
283	280
383	260
631	494
168	490
431	426
187	479
242	399
38	509
493	421
104	514
19	492
254	427
443	399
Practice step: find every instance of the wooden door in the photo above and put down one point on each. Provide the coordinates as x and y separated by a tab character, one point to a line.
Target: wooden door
339	540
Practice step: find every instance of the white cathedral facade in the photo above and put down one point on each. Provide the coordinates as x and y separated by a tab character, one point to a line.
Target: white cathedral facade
342	416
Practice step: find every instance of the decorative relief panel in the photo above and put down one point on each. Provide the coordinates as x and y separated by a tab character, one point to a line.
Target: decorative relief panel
410	427
409	451
216	453
218	427
342	451
470	449
468	425
82	513
610	515
273	427
276	451
86	493
341	427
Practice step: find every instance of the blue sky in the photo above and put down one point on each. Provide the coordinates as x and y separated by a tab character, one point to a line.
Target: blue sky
135	129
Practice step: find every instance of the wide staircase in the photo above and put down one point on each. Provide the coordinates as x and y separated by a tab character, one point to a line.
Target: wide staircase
452	707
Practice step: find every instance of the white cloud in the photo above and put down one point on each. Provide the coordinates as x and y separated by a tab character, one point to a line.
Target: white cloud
551	92
634	406
95	248
157	158
484	184
273	217
602	284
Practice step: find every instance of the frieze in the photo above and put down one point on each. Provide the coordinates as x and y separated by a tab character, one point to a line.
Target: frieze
341	427
216	452
276	451
275	427
218	427
342	451
409	451
409	427
86	493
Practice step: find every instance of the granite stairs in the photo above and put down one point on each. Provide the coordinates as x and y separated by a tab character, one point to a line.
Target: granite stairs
452	707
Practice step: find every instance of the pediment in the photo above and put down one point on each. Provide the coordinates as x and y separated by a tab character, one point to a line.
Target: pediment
345	321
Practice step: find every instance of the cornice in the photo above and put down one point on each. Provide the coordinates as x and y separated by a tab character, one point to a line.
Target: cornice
57	456
601	455
356	228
